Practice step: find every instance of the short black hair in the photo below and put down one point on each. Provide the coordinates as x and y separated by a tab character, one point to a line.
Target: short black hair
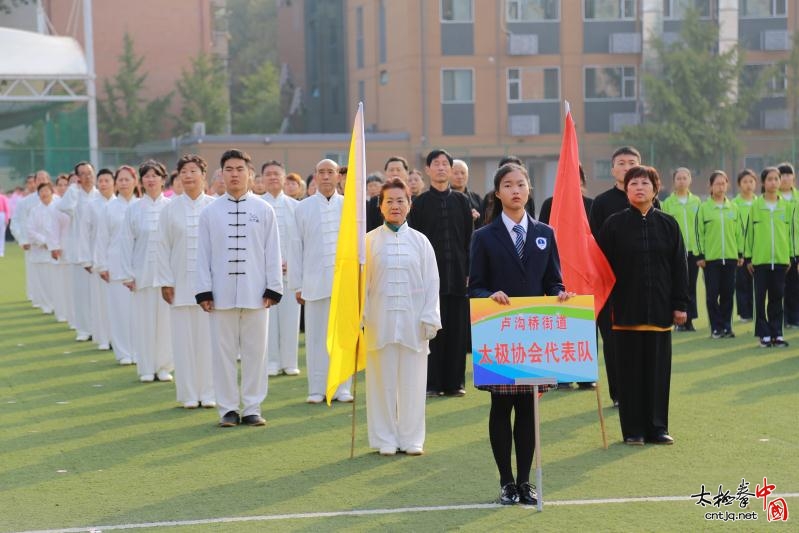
235	154
375	177
626	150
786	168
396	158
80	164
510	159
272	163
435	153
152	164
193	158
105	171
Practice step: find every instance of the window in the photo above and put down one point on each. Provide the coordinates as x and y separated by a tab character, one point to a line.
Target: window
531	10
381	22
533	84
609	9
456	11
602	169
676	9
762	8
610	83
359	37
776	85
457	86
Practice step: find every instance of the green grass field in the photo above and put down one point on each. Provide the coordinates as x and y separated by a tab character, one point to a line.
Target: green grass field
84	444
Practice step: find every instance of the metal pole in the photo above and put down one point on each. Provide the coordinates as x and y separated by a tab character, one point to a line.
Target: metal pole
91	88
537	432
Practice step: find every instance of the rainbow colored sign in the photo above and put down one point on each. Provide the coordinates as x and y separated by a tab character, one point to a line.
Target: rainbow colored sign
533	338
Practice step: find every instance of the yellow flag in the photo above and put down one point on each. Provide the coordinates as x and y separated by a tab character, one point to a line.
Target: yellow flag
344	335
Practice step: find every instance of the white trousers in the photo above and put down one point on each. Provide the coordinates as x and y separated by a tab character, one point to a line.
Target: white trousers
81	300
43	285
237	332
61	276
28	280
396	381
284	333
3	233
191	348
317	358
120	300
100	324
151	337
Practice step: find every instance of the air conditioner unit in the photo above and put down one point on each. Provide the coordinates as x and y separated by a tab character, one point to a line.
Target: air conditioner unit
775	40
625	43
522	125
775	119
618	121
522	44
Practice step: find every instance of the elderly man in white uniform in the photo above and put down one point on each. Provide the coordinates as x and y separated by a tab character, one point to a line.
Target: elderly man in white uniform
19	229
40	228
108	261
139	253
312	258
400	316
101	323
75	203
284	320
238	278
177	259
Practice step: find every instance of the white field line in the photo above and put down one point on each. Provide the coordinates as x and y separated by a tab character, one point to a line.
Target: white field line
365	512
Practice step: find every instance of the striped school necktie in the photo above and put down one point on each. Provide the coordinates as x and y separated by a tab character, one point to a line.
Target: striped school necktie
519	231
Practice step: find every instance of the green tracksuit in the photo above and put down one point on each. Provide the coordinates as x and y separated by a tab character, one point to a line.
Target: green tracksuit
719	234
744	208
685	214
770	235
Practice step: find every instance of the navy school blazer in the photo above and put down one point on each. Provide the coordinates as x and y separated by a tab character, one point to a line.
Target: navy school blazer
495	265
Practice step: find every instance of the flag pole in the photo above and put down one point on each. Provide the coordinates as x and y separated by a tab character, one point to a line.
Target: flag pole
355	400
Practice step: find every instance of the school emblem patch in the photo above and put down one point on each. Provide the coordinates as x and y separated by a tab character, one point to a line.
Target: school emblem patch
541	242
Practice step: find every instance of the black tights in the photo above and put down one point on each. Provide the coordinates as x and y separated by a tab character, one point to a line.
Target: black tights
499	432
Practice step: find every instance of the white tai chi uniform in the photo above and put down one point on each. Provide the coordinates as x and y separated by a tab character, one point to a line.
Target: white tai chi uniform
61	271
284	320
238	265
75	203
19	226
139	254
101	323
312	258
177	268
401	314
40	228
108	258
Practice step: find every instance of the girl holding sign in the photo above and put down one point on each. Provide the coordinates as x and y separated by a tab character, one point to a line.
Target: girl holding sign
514	255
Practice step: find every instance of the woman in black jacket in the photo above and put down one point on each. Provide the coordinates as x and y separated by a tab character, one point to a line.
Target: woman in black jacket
646	251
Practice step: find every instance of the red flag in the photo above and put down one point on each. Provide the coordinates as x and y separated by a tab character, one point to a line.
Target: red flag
585	268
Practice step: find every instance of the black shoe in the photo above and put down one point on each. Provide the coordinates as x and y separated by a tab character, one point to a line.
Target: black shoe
253	420
765	342
527	494
728	334
230	420
634	441
663	438
565	386
586	385
716	334
433	394
508	494
779	342
616	404
457	393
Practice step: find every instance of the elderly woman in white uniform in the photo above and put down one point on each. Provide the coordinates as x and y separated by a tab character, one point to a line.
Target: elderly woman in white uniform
401	315
108	262
177	257
139	246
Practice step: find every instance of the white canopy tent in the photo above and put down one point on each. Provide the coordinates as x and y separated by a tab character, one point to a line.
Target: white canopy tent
39	70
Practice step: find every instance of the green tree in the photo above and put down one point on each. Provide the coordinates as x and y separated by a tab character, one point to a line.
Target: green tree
203	90
125	118
260	101
695	103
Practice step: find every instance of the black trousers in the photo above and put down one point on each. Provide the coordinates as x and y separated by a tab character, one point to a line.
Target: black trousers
503	437
769	283
720	287
644	371
693	274
446	365
744	286
608	348
791	301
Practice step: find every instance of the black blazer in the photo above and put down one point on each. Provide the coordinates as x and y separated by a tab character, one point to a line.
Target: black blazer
495	265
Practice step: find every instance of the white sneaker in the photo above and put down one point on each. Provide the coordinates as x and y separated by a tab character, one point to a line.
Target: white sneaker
104	346
126	361
388	450
414	450
291	371
344	397
146	378
163	375
210	404
315	398
60	319
47	311
82	337
191	405
273	372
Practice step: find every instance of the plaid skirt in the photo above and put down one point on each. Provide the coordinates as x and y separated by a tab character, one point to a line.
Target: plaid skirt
510	390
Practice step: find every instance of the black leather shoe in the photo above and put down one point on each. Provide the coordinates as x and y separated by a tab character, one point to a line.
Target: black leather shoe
527	494
253	420
634	441
508	495
230	419
663	438
456	393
